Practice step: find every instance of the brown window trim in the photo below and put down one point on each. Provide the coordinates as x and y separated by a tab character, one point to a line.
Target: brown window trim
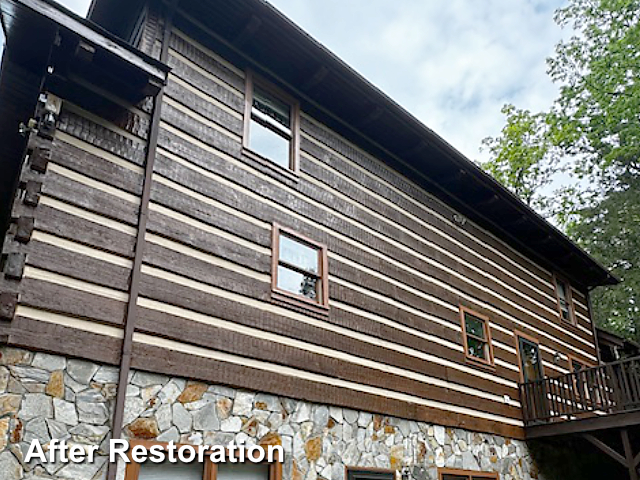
294	146
210	469
572	312
490	362
382	471
289	297
467	473
519	333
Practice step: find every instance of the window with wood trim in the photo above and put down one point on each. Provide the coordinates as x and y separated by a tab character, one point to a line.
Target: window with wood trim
299	269
200	471
271	125
476	335
565	302
449	474
354	473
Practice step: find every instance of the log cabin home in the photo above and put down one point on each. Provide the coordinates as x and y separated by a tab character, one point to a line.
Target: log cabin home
216	230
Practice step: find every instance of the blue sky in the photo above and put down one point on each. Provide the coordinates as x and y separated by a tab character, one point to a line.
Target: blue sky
452	63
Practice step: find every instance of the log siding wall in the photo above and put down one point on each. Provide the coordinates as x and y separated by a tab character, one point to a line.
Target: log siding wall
399	266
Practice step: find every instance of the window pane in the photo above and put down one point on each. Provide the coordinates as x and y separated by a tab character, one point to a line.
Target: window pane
299	284
243	471
269	144
171	471
477	348
299	254
562	291
272	107
454	477
474	326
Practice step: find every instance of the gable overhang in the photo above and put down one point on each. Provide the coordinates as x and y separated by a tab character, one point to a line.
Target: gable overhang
253	33
40	34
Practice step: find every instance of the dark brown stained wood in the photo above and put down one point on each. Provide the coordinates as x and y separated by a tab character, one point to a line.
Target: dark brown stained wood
39	158
204	133
242	345
14	263
88	198
71	227
334	181
209	242
68	301
95	167
337	144
204	107
8	304
205	272
24	229
306	208
176	363
402	316
197	270
244	203
101	137
32	190
75	265
187	298
232	99
69	342
207	62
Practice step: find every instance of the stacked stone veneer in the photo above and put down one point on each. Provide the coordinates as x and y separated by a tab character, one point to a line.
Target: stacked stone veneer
44	397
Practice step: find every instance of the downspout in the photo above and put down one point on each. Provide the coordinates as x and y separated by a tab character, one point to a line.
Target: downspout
134	288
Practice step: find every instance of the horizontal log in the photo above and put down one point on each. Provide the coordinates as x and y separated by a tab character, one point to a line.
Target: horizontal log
69	342
69	301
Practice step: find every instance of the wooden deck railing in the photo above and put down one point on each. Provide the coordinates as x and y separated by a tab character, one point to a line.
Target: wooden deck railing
602	390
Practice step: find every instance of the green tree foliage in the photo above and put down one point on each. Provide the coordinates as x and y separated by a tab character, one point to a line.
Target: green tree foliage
522	155
592	134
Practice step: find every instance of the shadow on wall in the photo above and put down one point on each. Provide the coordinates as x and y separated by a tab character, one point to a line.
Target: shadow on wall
573	458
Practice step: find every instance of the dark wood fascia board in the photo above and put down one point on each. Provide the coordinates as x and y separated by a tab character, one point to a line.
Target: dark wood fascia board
95	35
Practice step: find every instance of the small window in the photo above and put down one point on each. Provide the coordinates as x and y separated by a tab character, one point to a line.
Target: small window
271	133
565	303
299	269
476	336
447	474
201	471
370	474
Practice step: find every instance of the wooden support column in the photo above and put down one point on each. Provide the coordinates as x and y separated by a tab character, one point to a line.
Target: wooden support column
628	453
134	287
628	460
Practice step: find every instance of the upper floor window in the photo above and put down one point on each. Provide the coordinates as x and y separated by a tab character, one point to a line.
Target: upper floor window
565	303
300	269
476	336
271	131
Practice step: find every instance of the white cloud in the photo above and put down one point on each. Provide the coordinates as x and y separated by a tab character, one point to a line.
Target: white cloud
452	63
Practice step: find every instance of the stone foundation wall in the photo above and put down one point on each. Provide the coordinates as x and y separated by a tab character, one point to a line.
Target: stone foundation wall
44	397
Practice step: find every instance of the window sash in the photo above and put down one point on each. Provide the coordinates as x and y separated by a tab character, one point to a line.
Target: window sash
271	124
319	304
487	358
